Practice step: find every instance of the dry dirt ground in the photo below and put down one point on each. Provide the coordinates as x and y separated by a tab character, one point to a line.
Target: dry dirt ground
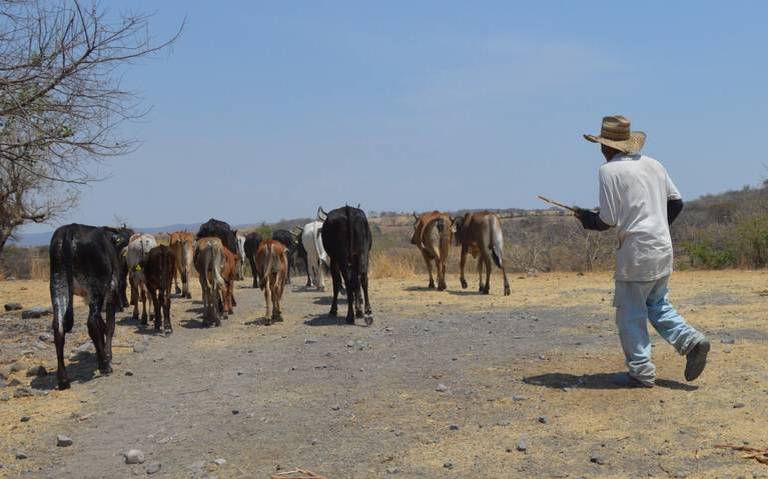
540	366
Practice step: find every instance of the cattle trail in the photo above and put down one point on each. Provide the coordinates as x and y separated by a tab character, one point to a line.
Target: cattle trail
441	377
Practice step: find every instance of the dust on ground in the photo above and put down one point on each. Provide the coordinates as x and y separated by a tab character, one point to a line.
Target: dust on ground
541	366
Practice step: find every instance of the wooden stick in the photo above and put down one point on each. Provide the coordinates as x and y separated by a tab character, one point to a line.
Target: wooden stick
556	203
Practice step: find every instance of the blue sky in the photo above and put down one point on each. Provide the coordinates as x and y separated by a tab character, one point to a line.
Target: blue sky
264	110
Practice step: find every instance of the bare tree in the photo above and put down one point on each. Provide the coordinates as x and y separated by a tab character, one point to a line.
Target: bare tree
61	101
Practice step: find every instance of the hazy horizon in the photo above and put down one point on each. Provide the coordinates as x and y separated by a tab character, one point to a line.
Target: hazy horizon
264	111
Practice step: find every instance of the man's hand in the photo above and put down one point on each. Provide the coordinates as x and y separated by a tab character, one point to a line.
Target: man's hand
590	220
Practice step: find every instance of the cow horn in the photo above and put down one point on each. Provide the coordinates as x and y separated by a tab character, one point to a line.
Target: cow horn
415	215
321	214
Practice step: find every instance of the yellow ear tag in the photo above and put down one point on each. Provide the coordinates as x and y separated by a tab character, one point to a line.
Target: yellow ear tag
137	268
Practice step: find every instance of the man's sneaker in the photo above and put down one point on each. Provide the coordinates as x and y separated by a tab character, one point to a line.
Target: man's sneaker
696	360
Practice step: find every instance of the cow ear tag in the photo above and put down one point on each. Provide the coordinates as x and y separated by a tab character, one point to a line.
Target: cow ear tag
138	268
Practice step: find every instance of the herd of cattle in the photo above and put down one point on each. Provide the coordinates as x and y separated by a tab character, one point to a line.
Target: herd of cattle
99	263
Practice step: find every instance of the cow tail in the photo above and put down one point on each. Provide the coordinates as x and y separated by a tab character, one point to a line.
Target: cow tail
61	284
354	280
497	243
217	268
268	267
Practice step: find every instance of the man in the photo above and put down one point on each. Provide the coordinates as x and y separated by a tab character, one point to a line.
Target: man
638	197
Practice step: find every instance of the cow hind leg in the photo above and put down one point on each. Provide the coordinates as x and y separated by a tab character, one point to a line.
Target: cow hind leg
165	295
428	261
276	313
96	330
480	264
111	308
441	286
336	277
462	264
487	263
144	315
368	312
134	299
62	378
176	275
268	297
352	290
156	307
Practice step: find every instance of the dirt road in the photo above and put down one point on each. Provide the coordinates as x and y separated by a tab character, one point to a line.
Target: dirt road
446	385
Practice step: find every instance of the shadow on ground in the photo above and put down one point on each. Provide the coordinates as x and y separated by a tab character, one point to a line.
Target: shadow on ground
326	320
598	381
82	368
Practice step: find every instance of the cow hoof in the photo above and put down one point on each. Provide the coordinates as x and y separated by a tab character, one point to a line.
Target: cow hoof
442	287
486	291
368	319
178	290
359	314
332	313
431	285
463	283
106	370
507	292
351	320
64	384
321	289
135	316
188	296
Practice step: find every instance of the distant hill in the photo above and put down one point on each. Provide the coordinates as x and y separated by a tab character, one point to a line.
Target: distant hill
43	239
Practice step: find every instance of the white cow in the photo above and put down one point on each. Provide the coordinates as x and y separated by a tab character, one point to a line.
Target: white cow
240	269
313	244
135	256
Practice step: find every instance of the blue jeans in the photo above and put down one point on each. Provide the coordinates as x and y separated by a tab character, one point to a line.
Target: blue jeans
638	302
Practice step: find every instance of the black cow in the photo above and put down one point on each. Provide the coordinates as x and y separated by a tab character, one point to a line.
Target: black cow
347	240
221	230
85	261
122	286
289	241
251	246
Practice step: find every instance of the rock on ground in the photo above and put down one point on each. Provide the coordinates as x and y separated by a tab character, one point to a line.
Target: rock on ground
63	441
133	456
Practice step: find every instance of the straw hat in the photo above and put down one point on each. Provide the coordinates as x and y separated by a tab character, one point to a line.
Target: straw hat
615	132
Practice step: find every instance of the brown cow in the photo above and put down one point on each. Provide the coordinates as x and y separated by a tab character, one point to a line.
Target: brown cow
480	233
229	273
183	245
209	261
159	271
272	266
432	235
